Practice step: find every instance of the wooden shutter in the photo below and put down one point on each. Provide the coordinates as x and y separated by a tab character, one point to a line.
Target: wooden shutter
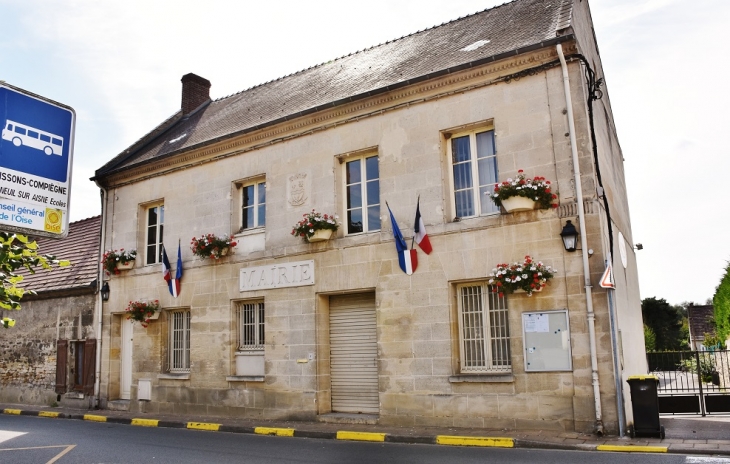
89	374
61	361
354	354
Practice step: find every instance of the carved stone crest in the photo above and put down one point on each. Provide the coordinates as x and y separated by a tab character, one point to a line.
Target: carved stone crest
298	189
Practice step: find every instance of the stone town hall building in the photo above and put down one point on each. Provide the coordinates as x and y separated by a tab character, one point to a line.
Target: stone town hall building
283	328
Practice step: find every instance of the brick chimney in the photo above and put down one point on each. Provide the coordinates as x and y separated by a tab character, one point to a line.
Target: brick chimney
195	92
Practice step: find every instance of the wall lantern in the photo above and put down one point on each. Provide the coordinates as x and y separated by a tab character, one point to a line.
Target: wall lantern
105	292
569	236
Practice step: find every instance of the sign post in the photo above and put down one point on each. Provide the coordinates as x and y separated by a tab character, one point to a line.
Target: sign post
36	151
607	277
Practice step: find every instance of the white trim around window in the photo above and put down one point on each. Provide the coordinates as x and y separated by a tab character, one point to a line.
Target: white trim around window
472	161
250	325
154	217
250	330
179	342
252	198
361	196
484	337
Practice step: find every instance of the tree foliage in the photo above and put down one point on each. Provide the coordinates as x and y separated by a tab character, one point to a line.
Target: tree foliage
721	303
667	322
649	338
18	252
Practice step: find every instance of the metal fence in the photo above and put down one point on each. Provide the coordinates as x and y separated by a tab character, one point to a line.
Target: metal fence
696	382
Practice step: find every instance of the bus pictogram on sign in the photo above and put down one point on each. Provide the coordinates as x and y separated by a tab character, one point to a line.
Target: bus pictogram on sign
21	134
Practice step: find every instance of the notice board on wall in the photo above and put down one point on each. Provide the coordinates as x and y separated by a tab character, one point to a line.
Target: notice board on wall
546	339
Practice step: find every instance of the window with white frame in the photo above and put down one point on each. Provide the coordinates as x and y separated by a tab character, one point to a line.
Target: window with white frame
253	205
474	172
362	194
250	322
179	343
483	330
154	222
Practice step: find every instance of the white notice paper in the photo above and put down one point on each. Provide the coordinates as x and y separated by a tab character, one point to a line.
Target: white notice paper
536	323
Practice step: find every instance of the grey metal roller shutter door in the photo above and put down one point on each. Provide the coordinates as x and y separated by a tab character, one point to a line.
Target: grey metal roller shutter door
354	354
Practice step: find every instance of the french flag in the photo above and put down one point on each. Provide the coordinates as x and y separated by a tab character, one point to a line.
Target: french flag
173	284
407	259
419	230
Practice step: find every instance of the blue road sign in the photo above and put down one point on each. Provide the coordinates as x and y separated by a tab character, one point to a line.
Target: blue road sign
36	151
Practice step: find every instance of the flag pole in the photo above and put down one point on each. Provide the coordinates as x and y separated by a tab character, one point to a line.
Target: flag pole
413	239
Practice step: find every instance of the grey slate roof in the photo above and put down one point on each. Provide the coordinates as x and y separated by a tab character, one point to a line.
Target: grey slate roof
81	247
517	26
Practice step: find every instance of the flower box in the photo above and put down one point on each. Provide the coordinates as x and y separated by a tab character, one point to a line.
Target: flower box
517	204
212	246
118	260
143	311
529	276
523	194
534	290
321	235
316	227
125	266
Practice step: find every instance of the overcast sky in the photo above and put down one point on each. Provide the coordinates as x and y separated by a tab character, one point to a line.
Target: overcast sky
119	64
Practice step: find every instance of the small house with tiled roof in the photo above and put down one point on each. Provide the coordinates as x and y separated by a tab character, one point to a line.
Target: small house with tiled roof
701	321
366	324
50	354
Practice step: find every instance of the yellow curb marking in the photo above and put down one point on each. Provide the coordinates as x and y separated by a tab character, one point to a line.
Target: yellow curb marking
632	448
47	414
145	422
204	426
279	432
496	442
12	411
91	417
360	436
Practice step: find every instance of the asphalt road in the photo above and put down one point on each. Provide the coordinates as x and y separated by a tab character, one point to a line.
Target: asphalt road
26	440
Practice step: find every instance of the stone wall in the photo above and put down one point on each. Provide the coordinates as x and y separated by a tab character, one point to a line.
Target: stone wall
28	350
417	337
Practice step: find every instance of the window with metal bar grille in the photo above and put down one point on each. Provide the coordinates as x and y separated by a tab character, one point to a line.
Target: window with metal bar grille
483	330
250	324
179	347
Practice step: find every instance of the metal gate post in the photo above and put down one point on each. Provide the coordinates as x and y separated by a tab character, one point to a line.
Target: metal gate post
699	378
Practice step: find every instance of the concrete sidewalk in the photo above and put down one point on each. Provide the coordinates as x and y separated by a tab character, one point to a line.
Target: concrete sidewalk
684	435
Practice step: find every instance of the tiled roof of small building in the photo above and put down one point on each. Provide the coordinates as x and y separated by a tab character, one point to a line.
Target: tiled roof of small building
701	321
81	247
469	41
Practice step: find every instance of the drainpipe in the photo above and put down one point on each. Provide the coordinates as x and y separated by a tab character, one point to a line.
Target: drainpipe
584	245
99	302
616	366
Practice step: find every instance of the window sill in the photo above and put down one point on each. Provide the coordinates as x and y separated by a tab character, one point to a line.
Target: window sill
247	232
480	216
183	376
484	378
245	378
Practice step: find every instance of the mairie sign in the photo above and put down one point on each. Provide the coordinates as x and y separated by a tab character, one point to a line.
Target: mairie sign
294	274
36	151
